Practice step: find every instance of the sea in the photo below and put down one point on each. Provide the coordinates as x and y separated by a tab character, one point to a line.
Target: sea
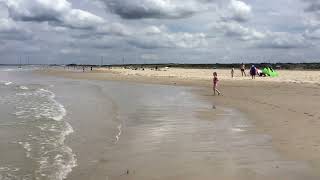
54	128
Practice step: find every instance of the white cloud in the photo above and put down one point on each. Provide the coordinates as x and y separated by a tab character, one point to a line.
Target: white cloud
77	18
239	11
236	30
284	40
158	37
37	10
266	39
312	34
116	29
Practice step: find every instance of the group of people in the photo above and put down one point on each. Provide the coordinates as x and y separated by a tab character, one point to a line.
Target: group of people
253	73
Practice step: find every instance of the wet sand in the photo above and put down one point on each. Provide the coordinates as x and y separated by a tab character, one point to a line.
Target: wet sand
284	111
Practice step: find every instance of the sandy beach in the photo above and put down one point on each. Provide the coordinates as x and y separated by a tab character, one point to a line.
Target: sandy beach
285	108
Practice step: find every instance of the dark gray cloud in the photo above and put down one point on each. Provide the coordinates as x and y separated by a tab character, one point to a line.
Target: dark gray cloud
312	5
58	12
138	9
9	30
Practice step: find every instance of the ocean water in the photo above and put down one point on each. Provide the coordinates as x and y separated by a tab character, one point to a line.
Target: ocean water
32	129
55	128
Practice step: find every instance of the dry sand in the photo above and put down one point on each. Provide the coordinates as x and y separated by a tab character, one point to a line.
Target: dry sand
286	108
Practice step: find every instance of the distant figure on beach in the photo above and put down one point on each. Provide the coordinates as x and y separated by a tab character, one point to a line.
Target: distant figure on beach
82	68
215	84
232	72
91	68
253	72
243	70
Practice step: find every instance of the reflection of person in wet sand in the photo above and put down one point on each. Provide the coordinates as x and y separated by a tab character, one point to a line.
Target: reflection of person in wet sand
243	70
215	84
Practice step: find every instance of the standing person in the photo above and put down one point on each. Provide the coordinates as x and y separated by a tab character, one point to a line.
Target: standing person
253	72
82	68
232	72
215	84
243	70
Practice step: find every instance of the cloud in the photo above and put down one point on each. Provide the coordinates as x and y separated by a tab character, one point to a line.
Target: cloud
284	40
312	5
80	19
150	56
239	11
94	43
159	30
266	39
312	34
9	30
138	9
153	37
150	37
116	29
238	31
58	12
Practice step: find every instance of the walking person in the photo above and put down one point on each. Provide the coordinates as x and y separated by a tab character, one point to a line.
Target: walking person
215	84
232	72
253	72
243	70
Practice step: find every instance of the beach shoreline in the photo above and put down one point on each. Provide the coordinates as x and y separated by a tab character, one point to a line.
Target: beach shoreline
285	109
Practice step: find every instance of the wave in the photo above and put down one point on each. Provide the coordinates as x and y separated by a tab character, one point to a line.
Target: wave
39	103
7	83
44	116
23	87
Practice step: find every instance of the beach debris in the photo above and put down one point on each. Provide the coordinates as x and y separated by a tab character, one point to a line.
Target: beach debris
125	173
214	107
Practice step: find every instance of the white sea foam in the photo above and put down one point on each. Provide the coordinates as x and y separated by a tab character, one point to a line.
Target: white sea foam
23	87
8	83
9	70
38	104
237	130
46	145
57	112
119	133
61	159
27	147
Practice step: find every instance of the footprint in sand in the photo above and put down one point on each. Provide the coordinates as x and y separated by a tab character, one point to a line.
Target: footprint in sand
292	110
308	114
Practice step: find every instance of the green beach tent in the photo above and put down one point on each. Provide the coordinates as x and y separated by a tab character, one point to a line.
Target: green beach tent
268	71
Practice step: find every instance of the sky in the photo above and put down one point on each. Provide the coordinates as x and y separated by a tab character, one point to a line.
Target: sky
159	31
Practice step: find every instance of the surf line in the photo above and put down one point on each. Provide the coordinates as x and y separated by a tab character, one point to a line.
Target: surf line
119	133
